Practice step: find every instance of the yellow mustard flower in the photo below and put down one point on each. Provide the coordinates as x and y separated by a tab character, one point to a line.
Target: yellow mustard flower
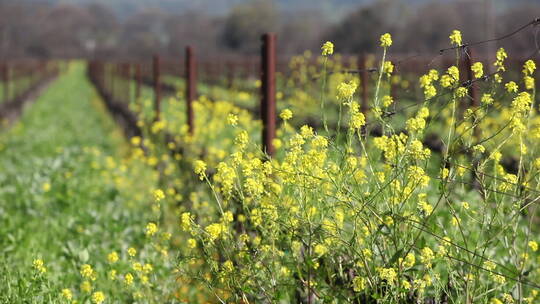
98	297
346	90
386	40
39	265
511	87
158	194
199	167
151	229
533	245
112	257
232	119
478	69
67	294
128	279
455	38
359	284
286	114
327	48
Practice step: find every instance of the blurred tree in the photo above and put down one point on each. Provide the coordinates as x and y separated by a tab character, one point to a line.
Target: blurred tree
17	28
428	29
64	30
301	31
205	39
246	23
144	33
104	28
360	30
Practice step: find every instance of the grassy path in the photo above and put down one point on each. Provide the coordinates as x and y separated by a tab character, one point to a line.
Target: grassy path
64	175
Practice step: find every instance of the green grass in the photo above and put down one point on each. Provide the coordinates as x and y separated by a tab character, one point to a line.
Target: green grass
65	141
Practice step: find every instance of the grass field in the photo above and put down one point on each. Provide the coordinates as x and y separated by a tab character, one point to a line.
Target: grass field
63	170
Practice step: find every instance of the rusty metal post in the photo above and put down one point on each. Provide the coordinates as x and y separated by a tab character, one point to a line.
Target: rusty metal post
122	76
111	82
230	74
157	86
473	88
118	80
364	77
208	72
191	86
5	78
268	91
257	68
138	76
217	71
127	82
394	83
473	94
246	66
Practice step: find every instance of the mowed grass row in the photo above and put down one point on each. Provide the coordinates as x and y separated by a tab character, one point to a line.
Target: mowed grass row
64	175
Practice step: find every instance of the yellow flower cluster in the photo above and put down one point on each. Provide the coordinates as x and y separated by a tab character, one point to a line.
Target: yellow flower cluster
98	297
359	284
418	123
112	257
128	279
88	272
409	260
486	99
327	48
232	119
225	176
151	229
423	205
511	87
386	40
478	69
158	195
528	69
499	64
387	274
39	265
357	118
426	82
67	294
286	114
199	167
451	78
455	38
533	245
387	100
346	90
388	68
215	231
521	103
427	256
